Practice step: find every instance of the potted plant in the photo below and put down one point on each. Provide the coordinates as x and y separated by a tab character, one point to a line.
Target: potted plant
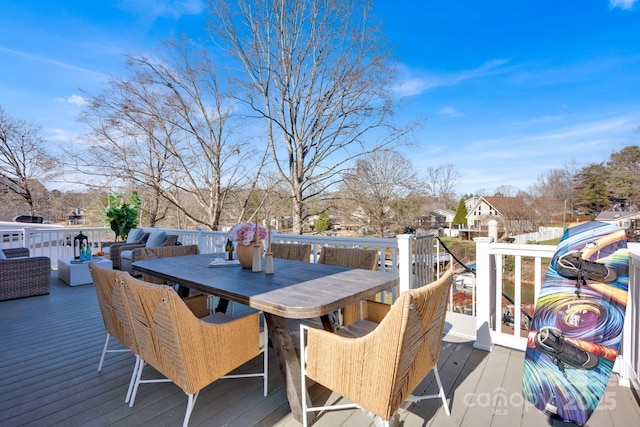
245	236
122	215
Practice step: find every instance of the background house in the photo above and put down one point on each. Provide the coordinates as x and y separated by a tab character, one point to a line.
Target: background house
512	213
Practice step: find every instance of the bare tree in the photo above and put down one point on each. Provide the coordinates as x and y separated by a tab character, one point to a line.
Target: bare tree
170	127
24	161
558	184
378	185
317	72
440	185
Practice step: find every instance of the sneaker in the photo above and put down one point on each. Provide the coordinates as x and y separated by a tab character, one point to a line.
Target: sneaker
550	341
572	266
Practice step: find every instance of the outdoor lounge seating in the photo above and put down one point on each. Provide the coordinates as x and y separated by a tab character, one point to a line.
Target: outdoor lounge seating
377	363
137	238
156	239
190	352
23	276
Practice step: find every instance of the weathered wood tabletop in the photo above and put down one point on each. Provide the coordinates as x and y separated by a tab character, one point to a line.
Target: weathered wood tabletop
297	290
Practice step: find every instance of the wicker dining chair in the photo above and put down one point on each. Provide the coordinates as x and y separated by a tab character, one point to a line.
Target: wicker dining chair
291	251
377	365
115	316
366	259
190	352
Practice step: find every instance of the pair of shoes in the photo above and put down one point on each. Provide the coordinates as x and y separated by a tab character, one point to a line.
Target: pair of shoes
550	340
572	266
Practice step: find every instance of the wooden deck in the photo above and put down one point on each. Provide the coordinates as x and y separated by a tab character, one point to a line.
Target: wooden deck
50	345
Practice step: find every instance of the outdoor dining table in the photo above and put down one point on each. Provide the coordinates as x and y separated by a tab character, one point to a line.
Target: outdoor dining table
297	290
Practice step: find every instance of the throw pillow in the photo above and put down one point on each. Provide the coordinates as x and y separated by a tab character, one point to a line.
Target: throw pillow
134	235
157	238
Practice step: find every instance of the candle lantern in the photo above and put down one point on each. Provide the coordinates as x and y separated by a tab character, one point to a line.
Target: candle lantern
79	242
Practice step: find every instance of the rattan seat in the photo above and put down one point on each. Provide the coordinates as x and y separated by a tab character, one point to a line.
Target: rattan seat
377	365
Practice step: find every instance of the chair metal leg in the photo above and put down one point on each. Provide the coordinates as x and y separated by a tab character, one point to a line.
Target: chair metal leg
443	396
191	401
137	383
104	352
265	355
133	378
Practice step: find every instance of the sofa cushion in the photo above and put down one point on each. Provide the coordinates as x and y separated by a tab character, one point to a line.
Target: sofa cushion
157	238
2	255
126	254
135	234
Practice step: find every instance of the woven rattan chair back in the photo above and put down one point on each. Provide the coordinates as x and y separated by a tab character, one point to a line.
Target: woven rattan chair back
113	305
365	259
163	252
380	370
185	349
292	251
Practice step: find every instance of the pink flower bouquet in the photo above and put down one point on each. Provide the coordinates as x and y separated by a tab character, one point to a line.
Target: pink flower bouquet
244	233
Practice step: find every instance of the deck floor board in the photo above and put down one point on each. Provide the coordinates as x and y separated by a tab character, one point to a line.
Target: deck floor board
48	376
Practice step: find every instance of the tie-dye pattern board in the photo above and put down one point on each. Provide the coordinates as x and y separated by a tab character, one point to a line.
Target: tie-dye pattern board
589	320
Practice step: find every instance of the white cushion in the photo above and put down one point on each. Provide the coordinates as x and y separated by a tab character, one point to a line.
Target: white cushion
126	254
2	255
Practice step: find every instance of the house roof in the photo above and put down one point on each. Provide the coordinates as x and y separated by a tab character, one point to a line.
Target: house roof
616	215
505	206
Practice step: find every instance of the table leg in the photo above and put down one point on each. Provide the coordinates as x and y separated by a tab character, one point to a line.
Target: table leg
288	363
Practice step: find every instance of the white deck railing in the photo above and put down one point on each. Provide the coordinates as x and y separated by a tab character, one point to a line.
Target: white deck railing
489	327
418	260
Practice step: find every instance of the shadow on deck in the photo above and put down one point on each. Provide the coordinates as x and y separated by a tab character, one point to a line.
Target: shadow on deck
49	353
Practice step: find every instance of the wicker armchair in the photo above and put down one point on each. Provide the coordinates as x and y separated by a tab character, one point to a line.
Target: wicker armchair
126	256
378	365
112	250
190	352
23	276
292	251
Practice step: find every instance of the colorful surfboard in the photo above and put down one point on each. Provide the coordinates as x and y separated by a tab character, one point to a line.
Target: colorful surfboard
577	325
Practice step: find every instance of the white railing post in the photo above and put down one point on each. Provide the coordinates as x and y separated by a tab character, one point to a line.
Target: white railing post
405	261
483	294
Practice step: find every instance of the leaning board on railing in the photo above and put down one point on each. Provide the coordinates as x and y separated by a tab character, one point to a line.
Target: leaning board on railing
577	325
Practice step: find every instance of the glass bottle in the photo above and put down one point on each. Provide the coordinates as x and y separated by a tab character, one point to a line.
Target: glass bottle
229	249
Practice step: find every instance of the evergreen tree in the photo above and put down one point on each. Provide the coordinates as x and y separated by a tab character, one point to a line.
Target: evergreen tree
461	214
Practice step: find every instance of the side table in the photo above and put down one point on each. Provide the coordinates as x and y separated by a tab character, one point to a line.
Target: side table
77	273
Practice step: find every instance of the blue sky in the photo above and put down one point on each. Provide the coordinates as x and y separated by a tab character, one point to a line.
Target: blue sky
510	89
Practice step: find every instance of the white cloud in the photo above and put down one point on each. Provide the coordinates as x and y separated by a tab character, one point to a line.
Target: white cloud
450	111
622	4
73	99
173	8
415	83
